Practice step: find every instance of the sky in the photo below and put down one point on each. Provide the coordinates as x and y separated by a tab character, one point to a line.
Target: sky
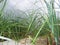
22	4
27	4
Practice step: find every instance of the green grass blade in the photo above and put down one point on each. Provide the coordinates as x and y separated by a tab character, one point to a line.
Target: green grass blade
38	32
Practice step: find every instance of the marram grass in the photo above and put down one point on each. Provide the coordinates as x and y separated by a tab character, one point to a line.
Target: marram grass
32	25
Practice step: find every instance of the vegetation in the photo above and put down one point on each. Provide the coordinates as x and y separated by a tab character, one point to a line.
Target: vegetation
34	24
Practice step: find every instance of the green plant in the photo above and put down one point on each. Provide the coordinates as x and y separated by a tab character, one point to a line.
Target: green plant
1	1
51	21
35	24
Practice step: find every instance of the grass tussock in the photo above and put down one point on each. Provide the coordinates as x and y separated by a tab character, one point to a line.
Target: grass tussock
35	24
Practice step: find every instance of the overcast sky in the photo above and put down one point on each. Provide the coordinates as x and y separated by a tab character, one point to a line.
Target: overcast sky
22	4
27	4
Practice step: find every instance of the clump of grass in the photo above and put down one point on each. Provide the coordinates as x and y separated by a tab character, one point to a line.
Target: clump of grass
21	28
51	21
35	24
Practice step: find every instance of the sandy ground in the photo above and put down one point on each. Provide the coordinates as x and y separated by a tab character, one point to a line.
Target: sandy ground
21	42
25	41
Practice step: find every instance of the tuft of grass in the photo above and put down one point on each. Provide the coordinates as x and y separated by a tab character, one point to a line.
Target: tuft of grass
35	24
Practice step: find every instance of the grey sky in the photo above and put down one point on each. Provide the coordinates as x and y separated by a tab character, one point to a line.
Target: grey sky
27	4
